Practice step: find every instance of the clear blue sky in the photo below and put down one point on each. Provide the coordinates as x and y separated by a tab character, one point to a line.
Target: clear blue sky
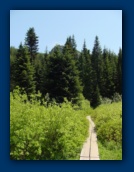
54	26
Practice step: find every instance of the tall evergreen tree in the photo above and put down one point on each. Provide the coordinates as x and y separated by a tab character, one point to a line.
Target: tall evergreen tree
85	71
62	77
39	68
44	73
112	74
24	71
31	41
107	82
96	60
95	99
13	52
75	54
96	72
70	47
119	72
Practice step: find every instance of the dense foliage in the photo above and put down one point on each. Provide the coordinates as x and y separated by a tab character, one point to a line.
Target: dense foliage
65	72
56	132
108	120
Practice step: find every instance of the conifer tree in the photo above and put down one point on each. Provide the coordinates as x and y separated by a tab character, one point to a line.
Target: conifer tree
31	41
96	59
13	52
112	74
75	54
62	77
96	73
95	99
24	71
85	71
70	47
106	84
39	72
44	73
119	72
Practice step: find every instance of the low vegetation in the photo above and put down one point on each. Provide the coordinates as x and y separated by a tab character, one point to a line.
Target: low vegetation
108	120
45	132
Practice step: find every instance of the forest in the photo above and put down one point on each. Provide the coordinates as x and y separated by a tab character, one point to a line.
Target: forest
65	85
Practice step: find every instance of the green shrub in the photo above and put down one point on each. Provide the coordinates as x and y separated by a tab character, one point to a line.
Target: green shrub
105	100
117	98
37	132
110	151
108	120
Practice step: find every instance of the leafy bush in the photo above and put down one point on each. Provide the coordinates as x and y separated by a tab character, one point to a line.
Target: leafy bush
105	100
117	97
108	120
37	132
110	151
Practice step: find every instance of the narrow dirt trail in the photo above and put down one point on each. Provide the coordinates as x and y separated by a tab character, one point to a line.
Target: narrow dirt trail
90	147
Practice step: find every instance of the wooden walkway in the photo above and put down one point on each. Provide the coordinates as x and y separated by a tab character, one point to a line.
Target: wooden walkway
90	147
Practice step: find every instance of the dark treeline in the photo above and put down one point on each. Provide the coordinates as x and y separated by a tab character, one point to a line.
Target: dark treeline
65	72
